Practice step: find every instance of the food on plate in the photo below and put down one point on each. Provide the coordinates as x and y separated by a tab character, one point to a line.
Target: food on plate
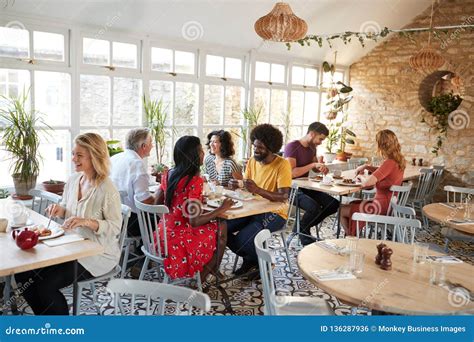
348	181
42	231
337	177
317	178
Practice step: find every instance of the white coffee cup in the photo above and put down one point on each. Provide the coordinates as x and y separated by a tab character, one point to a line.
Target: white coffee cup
337	173
326	180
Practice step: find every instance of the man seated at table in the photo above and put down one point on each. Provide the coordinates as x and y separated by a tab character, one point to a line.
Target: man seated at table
301	154
130	176
269	176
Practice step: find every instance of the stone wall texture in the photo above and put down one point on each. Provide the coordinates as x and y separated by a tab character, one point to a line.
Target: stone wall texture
386	93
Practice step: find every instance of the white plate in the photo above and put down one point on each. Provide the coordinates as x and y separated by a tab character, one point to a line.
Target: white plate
216	204
29	222
239	195
326	184
55	232
345	184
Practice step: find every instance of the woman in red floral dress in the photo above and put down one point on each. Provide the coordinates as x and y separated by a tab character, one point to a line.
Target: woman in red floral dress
191	234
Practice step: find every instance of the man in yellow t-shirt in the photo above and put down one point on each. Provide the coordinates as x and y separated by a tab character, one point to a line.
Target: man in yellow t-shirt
268	175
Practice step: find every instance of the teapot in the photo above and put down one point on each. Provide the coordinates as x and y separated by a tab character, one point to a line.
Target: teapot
25	239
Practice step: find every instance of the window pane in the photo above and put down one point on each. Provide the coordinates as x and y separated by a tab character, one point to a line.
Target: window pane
124	55
325	107
233	68
279	110
49	46
184	62
53	97
163	90
55	148
182	131
127	102
213	104
338	76
167	158
186	104
96	51
233	105
297	76
262	100
237	140
119	134
262	71
95	100
311	76
161	59
297	107
14	82
5	174
278	73
214	66
104	132
14	42
311	107
295	133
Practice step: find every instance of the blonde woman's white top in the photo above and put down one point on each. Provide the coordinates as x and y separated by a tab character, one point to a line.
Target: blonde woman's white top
101	203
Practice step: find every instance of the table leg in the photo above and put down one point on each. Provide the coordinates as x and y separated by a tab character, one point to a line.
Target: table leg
74	290
339	217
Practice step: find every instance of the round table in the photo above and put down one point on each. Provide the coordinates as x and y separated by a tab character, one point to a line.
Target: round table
403	290
442	213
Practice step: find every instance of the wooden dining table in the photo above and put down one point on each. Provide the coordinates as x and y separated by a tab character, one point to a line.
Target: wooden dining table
405	289
444	213
15	260
411	172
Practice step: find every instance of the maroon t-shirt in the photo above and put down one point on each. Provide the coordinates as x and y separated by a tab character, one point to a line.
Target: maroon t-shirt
302	155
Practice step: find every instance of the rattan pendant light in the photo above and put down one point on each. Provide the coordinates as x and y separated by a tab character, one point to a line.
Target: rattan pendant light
281	25
427	59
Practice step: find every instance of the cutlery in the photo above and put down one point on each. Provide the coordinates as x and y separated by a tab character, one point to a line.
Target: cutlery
449	205
49	222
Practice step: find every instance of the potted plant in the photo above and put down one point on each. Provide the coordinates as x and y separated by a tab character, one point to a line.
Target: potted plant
21	139
440	107
331	141
156	115
252	116
114	147
346	137
54	186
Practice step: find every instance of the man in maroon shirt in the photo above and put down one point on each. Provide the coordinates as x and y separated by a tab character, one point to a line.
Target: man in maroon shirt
302	156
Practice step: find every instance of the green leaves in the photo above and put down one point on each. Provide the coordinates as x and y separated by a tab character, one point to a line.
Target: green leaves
21	134
156	114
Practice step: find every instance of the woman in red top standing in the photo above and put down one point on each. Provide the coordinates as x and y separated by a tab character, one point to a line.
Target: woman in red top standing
383	177
191	234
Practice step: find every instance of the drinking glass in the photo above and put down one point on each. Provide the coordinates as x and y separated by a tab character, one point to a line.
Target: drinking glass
351	244
356	262
437	273
420	252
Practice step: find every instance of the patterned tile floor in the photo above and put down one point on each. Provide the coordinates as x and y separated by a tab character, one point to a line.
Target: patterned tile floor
246	296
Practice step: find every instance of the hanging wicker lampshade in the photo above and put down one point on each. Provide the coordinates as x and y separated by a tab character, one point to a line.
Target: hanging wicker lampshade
281	25
426	60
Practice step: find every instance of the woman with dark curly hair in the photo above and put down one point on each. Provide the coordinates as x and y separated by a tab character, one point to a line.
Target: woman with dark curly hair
219	164
268	175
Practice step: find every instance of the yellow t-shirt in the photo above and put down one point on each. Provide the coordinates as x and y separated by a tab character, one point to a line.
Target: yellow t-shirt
271	177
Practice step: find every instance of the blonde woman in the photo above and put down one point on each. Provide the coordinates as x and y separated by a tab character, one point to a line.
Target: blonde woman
91	208
382	177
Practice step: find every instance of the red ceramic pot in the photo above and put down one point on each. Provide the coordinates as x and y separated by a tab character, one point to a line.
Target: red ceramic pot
25	239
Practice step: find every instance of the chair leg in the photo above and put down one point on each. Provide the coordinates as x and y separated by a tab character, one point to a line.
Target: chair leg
144	268
78	298
446	243
198	281
125	260
236	260
286	252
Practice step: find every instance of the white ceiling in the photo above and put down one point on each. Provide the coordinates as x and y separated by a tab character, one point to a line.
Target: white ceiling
229	23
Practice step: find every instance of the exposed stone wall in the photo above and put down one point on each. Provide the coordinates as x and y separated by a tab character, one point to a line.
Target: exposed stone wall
386	93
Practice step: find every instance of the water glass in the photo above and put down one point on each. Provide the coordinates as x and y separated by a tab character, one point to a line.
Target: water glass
351	244
420	252
437	273
356	262
219	190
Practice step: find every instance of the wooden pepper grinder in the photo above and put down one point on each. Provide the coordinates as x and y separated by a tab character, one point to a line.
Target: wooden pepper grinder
378	257
386	263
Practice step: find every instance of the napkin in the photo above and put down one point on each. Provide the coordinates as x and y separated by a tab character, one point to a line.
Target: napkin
445	259
63	240
330	247
462	222
328	275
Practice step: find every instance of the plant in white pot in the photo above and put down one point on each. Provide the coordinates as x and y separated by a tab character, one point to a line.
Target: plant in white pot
251	116
331	141
21	139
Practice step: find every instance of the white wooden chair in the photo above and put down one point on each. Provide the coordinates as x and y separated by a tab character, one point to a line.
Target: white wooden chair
422	191
283	305
353	163
148	218
185	300
400	194
456	194
400	211
109	275
372	226
435	182
42	199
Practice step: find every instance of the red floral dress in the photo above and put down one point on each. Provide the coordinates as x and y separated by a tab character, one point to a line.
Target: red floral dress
189	248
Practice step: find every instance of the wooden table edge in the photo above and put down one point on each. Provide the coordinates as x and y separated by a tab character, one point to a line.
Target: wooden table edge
445	223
